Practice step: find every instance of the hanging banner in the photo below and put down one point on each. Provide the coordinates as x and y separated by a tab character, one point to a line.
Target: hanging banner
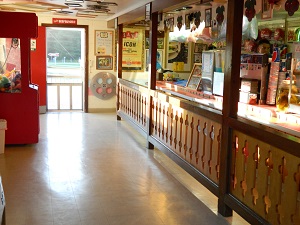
133	54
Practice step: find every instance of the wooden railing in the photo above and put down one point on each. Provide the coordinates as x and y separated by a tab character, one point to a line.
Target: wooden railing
194	138
132	101
264	178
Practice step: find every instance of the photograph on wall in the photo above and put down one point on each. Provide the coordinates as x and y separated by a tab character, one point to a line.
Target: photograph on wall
208	18
195	77
133	49
104	42
159	59
207	71
267	11
199	47
104	62
160	43
178	56
198	58
10	61
187	22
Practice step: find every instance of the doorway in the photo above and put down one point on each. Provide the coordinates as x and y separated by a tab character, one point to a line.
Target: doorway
66	68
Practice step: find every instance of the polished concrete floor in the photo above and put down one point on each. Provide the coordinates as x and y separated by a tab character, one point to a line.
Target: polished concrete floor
90	169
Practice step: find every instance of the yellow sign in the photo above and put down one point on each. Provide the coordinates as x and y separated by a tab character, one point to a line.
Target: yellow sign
132	49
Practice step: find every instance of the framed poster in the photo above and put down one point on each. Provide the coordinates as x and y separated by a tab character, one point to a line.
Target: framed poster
178	56
160	43
208	18
148	12
199	47
195	77
187	22
133	49
207	71
160	57
198	58
104	62
171	22
266	10
104	40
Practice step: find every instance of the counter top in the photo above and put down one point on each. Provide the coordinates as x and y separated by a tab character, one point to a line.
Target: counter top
263	114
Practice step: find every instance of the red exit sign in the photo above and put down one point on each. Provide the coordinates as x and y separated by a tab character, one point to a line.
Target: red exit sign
64	21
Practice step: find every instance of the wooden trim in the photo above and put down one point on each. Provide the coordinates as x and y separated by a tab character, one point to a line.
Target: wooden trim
249	215
86	78
120	55
283	141
133	85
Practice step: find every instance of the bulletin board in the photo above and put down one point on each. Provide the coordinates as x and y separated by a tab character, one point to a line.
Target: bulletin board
104	40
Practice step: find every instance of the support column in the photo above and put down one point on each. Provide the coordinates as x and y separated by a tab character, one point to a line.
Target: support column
119	60
230	97
152	71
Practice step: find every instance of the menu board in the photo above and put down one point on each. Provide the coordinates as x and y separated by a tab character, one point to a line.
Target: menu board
133	49
104	42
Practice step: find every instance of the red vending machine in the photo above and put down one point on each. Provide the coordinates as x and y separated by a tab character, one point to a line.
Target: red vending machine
19	100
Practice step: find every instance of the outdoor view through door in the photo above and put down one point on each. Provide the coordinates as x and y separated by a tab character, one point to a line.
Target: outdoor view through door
65	68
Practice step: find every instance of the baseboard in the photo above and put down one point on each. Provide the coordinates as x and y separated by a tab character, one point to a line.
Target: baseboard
97	110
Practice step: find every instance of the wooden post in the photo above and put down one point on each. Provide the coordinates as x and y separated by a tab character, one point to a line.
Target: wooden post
230	96
119	65
152	68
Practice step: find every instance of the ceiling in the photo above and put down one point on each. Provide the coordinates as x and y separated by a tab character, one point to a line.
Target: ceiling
103	9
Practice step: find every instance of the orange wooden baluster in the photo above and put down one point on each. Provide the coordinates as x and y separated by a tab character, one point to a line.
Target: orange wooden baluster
203	146
167	125
192	134
159	119
163	123
296	217
212	137
267	200
283	172
180	133
156	112
256	157
198	137
171	127
244	181
186	123
235	149
218	156
176	122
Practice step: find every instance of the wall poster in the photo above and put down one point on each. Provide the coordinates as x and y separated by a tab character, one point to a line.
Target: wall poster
104	40
10	65
104	62
133	49
179	56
